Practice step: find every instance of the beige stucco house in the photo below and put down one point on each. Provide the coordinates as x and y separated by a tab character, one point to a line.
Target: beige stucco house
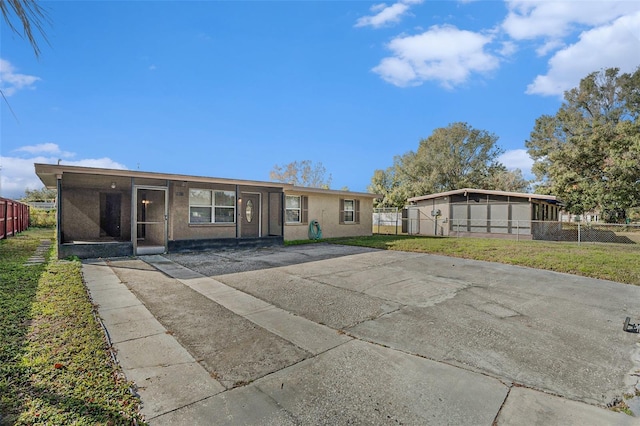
479	212
109	212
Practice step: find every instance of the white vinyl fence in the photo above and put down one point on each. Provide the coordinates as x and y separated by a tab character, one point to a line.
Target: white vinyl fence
387	220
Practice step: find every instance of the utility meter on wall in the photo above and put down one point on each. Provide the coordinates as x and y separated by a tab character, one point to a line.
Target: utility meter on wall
435	212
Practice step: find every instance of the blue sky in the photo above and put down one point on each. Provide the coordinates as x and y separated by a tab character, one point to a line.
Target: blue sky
230	89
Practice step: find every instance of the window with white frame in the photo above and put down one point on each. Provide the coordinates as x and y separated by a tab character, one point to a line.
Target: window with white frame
296	209
208	206
349	211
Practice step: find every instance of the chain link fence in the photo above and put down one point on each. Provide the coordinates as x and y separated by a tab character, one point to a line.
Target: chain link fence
496	228
388	221
593	232
588	232
396	221
393	221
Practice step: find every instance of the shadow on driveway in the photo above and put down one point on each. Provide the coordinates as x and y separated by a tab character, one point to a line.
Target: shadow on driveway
222	262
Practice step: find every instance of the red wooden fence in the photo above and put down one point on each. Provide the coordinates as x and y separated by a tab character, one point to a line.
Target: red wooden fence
14	217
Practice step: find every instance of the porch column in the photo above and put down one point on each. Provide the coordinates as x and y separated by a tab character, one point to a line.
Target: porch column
59	232
238	209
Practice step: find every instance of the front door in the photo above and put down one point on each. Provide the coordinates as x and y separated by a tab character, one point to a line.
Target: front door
151	220
110	215
250	215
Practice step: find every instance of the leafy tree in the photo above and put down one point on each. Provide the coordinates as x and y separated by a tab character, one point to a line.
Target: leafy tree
302	173
384	183
508	180
42	194
453	157
588	153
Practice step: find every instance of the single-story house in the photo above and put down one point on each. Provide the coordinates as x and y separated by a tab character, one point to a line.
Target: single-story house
108	212
480	212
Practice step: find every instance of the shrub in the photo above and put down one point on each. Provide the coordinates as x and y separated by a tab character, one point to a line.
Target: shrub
39	218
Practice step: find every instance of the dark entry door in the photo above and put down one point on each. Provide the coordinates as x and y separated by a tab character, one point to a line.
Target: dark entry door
250	213
110	215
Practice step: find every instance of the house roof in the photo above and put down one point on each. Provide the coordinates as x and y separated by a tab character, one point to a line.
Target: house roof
464	191
306	190
49	173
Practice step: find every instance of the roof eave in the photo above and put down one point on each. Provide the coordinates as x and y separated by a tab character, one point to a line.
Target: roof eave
304	189
49	173
464	191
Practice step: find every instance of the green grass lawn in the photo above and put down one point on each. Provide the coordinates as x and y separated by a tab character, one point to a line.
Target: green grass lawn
54	364
615	262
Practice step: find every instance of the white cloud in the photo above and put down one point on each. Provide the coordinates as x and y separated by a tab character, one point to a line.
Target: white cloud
442	53
44	148
613	45
508	48
532	19
397	71
385	15
549	46
608	36
104	163
18	174
517	159
11	81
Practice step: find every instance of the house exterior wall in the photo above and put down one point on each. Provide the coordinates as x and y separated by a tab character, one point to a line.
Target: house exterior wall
265	208
521	211
90	198
325	208
150	182
80	217
490	214
179	226
480	213
78	221
180	229
429	224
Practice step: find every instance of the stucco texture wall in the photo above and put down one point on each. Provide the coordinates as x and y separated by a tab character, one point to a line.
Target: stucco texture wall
181	229
429	224
179	226
81	215
325	208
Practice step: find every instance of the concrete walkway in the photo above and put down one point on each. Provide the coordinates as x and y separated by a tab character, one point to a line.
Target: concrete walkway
193	345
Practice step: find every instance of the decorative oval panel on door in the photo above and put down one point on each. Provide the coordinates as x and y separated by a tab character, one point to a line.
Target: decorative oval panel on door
248	213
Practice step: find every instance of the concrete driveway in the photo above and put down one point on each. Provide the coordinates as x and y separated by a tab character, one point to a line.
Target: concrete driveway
326	334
